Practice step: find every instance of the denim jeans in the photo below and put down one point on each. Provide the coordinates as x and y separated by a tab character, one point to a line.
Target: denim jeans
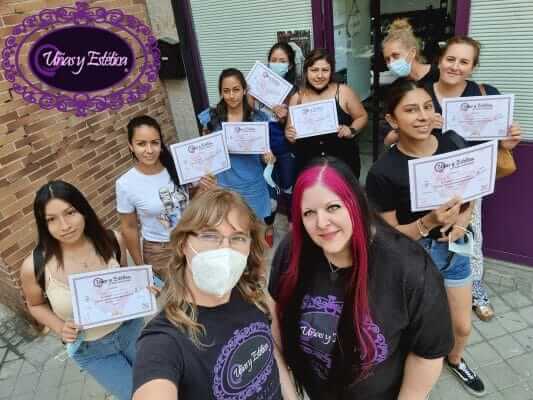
284	175
110	359
454	268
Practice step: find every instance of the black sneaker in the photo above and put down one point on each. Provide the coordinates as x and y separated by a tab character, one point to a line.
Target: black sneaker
472	383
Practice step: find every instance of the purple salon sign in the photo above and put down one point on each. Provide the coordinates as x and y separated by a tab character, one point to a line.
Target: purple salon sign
81	59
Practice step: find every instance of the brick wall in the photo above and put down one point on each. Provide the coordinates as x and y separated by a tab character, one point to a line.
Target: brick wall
39	145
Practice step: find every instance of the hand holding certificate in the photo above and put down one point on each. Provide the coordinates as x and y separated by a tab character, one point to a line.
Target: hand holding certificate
266	86
479	117
469	173
315	118
201	156
111	295
247	137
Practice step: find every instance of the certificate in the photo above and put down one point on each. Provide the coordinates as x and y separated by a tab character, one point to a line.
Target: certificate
111	295
266	86
479	117
247	137
469	173
315	118
200	156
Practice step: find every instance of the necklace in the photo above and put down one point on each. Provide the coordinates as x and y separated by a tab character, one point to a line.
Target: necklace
85	261
332	270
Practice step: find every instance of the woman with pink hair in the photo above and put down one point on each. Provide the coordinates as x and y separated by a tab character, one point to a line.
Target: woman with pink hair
362	309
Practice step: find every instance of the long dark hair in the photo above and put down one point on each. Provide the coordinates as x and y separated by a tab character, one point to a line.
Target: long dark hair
165	157
221	109
47	245
287	49
357	319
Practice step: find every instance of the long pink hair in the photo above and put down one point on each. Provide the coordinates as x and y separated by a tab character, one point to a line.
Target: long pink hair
352	196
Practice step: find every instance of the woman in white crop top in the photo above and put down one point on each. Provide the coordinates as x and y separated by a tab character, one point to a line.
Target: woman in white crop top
72	240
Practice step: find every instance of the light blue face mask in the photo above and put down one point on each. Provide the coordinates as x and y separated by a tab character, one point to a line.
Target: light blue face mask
466	248
73	347
279	68
400	67
267	174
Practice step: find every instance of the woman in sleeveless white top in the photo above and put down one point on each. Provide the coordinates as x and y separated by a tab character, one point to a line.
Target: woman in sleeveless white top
72	240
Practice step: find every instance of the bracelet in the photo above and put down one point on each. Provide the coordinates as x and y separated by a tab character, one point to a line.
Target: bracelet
419	226
461	228
424	225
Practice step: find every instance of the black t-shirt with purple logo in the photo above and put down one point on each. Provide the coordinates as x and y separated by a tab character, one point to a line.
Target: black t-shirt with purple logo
237	361
409	312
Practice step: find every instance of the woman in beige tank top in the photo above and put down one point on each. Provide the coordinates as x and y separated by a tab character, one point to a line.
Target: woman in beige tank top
72	240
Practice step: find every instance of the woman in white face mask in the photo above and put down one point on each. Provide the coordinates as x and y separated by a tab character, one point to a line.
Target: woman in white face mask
402	53
213	339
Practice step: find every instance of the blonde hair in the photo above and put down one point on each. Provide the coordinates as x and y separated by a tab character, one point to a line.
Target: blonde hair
209	209
401	30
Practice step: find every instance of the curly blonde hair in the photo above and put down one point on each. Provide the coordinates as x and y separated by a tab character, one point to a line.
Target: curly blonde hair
401	30
208	210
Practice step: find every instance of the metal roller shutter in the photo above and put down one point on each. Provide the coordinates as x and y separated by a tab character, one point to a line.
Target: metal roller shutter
236	33
505	30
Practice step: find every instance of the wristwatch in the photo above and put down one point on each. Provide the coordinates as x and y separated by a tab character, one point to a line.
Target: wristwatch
354	132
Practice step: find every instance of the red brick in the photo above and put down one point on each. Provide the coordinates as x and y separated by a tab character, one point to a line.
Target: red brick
59	172
8	117
90	172
15	155
9	220
42	172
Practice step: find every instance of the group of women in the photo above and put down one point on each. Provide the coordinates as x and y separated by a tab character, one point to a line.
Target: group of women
354	307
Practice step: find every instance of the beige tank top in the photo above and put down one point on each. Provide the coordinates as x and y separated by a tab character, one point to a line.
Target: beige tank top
58	294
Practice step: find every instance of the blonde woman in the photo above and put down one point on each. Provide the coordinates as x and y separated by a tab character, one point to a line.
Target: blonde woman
213	339
402	53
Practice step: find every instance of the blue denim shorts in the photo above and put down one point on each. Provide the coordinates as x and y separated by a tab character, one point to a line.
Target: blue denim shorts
110	359
454	268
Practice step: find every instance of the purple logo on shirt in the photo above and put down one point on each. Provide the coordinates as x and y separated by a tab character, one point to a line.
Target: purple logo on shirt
83	59
245	364
318	332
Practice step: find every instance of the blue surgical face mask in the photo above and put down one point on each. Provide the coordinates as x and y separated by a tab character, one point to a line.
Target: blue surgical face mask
279	68
466	248
400	67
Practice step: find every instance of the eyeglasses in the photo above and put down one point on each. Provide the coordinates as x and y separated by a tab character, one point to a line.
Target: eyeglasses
213	240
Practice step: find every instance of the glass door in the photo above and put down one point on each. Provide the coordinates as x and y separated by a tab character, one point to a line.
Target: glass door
353	51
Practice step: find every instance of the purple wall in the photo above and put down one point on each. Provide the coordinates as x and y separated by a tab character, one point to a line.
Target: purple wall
508	213
462	17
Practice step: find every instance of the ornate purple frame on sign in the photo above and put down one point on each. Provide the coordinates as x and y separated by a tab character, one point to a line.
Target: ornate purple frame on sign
81	15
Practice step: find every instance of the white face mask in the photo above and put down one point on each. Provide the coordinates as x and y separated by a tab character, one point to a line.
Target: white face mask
216	272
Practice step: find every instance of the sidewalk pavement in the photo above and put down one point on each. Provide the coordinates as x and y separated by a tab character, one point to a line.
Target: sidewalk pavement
501	351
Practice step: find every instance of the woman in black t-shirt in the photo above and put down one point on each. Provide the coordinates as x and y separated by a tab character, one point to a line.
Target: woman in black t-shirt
410	111
213	339
352	117
460	56
363	311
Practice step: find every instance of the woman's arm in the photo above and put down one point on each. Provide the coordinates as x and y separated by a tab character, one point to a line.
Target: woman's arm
445	216
123	250
420	374
514	136
161	389
290	132
129	228
459	226
39	307
353	105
